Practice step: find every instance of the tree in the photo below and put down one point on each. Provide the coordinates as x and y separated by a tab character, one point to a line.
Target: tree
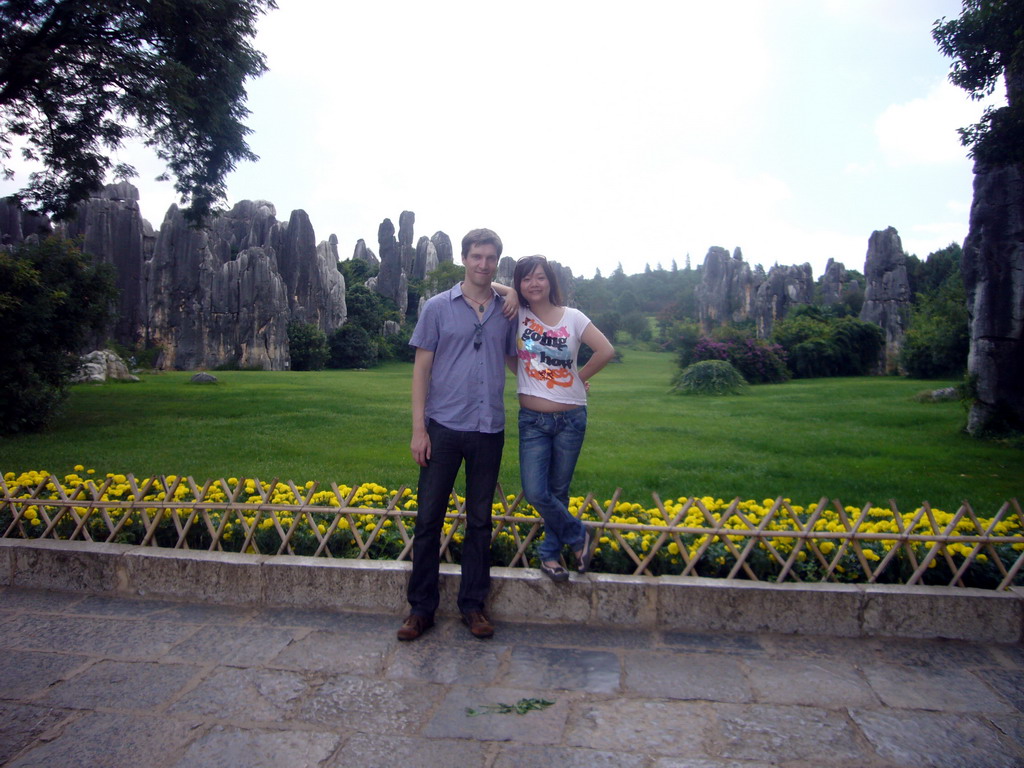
447	275
937	343
307	347
626	301
986	44
51	298
80	77
637	325
368	309
925	277
610	322
352	347
357	272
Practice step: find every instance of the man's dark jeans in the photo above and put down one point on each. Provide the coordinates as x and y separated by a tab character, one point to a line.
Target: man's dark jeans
448	449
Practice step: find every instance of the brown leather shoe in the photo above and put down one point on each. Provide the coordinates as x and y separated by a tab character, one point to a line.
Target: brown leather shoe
479	625
414	626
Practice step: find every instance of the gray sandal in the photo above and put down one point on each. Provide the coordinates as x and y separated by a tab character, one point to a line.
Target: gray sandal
556	573
585	555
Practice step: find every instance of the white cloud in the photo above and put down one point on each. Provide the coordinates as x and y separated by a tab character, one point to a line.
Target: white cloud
860	169
959	207
923	131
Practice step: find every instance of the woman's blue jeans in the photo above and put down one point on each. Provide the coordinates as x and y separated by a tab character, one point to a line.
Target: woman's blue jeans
549	444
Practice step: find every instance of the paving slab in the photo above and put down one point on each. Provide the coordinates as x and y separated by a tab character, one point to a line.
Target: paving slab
673	675
377	750
119	680
517	756
120	685
750	732
229	747
453	719
334	652
249	695
936	740
23	725
572	669
477	664
938	689
111	740
817	683
241	645
26	674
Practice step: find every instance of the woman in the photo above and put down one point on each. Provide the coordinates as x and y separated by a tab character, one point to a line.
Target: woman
553	406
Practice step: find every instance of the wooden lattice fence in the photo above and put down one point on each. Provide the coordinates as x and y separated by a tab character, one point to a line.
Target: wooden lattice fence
775	541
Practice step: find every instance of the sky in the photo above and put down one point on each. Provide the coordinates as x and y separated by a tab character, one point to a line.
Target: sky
603	133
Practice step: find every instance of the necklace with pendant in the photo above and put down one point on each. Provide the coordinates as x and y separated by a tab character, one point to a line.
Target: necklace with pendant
479	305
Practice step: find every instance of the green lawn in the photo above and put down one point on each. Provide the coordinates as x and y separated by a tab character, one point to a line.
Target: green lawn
858	440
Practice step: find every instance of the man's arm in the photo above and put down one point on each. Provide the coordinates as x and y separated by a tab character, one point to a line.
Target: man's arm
420	445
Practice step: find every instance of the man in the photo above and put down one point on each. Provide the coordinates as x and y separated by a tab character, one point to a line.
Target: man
463	344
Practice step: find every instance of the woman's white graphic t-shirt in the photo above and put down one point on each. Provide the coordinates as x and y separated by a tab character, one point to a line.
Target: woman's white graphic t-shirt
547	357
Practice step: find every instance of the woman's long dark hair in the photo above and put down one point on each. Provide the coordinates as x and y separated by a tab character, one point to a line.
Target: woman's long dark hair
524	267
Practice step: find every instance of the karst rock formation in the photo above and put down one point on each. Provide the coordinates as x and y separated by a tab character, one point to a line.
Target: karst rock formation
993	270
887	293
727	290
207	297
226	293
782	289
833	282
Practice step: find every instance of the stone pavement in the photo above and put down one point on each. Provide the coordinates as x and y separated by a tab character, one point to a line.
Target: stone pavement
123	681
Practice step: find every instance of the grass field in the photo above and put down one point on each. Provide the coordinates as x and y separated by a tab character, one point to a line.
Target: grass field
859	440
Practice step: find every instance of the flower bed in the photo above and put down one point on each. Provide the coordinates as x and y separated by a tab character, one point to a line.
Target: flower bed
772	539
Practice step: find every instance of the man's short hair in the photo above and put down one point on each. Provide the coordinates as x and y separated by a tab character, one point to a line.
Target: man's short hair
480	237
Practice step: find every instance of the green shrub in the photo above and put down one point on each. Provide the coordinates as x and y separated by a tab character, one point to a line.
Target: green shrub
818	344
135	357
307	346
757	361
709	377
352	347
368	309
51	298
396	346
